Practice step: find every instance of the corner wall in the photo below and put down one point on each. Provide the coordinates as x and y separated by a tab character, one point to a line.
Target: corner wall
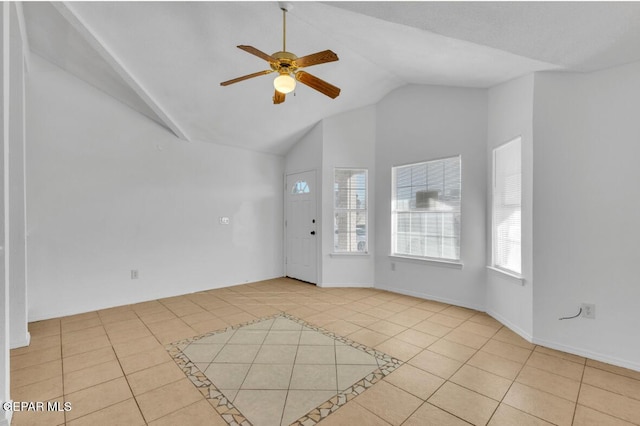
510	114
13	285
17	187
585	212
5	372
348	141
110	191
420	123
343	140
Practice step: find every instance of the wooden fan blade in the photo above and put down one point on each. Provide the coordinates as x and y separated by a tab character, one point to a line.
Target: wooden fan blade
258	53
316	58
246	77
320	85
278	97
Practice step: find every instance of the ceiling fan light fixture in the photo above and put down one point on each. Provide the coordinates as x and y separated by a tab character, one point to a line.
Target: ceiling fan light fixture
284	83
289	67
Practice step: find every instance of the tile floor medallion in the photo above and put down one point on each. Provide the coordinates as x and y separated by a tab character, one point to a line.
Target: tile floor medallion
279	370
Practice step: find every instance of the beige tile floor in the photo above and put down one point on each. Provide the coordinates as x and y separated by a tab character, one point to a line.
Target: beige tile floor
461	366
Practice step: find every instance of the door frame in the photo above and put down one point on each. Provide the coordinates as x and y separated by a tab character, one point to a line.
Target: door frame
318	195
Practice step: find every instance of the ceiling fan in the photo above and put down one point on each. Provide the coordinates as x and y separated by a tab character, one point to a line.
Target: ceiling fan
289	67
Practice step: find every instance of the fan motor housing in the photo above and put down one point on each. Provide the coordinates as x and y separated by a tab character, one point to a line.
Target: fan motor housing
286	62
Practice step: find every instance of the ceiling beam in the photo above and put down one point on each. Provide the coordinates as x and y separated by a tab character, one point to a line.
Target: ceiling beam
65	9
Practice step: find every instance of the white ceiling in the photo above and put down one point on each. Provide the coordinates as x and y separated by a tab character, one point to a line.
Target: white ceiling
581	36
166	59
51	36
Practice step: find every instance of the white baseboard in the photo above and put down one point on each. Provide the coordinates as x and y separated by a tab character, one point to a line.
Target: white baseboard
21	341
76	309
431	297
565	348
511	326
345	285
632	365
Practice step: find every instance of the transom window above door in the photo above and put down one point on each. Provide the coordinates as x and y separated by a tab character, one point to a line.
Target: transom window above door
300	187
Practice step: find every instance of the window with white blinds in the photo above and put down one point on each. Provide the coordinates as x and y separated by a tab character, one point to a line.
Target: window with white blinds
507	196
350	211
425	209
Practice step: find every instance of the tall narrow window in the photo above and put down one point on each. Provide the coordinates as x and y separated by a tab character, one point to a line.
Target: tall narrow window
350	211
507	196
426	209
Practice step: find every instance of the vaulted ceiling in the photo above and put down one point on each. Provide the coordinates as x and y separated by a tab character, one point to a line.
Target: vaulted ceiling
166	59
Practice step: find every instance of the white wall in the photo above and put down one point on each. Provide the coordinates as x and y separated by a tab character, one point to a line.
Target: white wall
304	156
13	319
348	141
419	123
586	209
510	114
110	191
17	216
343	140
5	416
307	153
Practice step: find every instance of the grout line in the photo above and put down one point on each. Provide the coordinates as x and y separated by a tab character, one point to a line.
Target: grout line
511	385
103	408
64	396
252	361
366	409
427	402
286	398
448	380
216	355
133	395
335	360
424	401
575	407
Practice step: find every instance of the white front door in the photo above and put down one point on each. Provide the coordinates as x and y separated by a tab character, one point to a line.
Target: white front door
300	226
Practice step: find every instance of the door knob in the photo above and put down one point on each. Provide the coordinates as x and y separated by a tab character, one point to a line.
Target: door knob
313	232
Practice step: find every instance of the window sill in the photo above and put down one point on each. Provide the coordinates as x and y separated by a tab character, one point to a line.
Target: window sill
350	254
511	275
429	261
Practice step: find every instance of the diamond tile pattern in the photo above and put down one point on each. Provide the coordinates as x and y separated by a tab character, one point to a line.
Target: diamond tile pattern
276	370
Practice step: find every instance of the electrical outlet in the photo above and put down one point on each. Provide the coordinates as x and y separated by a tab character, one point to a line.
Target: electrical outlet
134	274
589	310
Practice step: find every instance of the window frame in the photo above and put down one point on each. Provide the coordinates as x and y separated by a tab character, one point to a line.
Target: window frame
364	210
494	194
456	262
